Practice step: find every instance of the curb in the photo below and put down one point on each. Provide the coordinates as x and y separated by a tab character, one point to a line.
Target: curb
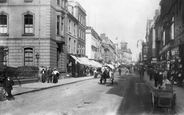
39	89
150	86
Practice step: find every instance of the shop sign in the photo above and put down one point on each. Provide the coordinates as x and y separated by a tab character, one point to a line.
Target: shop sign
164	48
154	59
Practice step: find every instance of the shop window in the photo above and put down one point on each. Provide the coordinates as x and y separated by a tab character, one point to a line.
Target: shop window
28	57
3	24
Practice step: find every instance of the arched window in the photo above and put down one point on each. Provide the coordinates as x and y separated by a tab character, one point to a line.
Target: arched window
28	57
28	24
3	24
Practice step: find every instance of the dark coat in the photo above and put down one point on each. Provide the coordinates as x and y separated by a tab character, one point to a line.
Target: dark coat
8	83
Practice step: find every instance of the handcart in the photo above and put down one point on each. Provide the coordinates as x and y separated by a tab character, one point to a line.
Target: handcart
164	98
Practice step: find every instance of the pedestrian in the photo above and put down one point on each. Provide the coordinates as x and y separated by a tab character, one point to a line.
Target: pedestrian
119	71
180	77
141	72
156	77
160	77
43	74
49	75
55	74
8	84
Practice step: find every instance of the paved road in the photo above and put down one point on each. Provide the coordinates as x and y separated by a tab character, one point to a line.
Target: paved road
129	95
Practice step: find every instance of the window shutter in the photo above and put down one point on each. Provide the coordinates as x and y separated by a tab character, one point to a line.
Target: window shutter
3	1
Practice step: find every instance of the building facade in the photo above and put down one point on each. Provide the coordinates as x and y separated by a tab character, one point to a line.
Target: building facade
80	14
109	53
169	32
93	44
34	32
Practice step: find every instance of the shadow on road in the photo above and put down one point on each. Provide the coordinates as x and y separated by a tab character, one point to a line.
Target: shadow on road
135	93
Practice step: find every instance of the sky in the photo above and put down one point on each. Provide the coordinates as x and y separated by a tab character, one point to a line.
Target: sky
121	19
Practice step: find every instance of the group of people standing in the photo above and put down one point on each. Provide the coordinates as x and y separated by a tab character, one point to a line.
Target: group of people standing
49	76
160	75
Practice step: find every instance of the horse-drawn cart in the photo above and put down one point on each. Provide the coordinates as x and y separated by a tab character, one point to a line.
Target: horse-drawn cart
164	98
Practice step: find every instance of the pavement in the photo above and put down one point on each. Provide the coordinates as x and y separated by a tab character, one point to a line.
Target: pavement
179	91
37	86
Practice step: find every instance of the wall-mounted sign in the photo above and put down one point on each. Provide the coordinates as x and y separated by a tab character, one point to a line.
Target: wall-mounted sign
165	48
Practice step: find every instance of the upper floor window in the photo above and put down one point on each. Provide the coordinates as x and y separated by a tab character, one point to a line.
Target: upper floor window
69	28
58	24
3	1
3	24
62	26
28	24
163	38
63	3
74	29
58	2
28	57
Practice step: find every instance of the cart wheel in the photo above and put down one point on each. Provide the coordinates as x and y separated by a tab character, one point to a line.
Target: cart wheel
173	103
152	102
152	99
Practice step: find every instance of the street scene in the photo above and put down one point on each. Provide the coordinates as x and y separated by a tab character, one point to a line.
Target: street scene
91	57
128	95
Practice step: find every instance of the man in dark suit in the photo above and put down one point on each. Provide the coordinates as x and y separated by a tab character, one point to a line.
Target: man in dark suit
8	84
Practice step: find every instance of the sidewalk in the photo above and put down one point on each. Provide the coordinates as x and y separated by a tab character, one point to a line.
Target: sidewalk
179	95
37	86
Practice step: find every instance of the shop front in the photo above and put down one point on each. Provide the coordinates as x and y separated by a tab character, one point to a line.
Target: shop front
79	66
164	57
175	58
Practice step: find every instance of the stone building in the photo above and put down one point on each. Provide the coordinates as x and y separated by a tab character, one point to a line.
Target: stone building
80	14
169	32
34	32
93	44
76	38
109	53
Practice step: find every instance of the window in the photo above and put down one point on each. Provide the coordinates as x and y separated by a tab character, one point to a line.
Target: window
179	5
69	45
3	24
74	29
74	46
63	3
58	2
28	24
172	29
69	26
62	26
3	1
163	38
58	23
176	8
79	33
28	57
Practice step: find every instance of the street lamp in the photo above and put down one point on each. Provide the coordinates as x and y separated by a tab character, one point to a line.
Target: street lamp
37	57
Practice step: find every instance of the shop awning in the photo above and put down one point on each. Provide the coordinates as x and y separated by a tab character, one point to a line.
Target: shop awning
76	59
81	60
95	63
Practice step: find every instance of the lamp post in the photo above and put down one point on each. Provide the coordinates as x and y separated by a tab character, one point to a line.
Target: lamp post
37	57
